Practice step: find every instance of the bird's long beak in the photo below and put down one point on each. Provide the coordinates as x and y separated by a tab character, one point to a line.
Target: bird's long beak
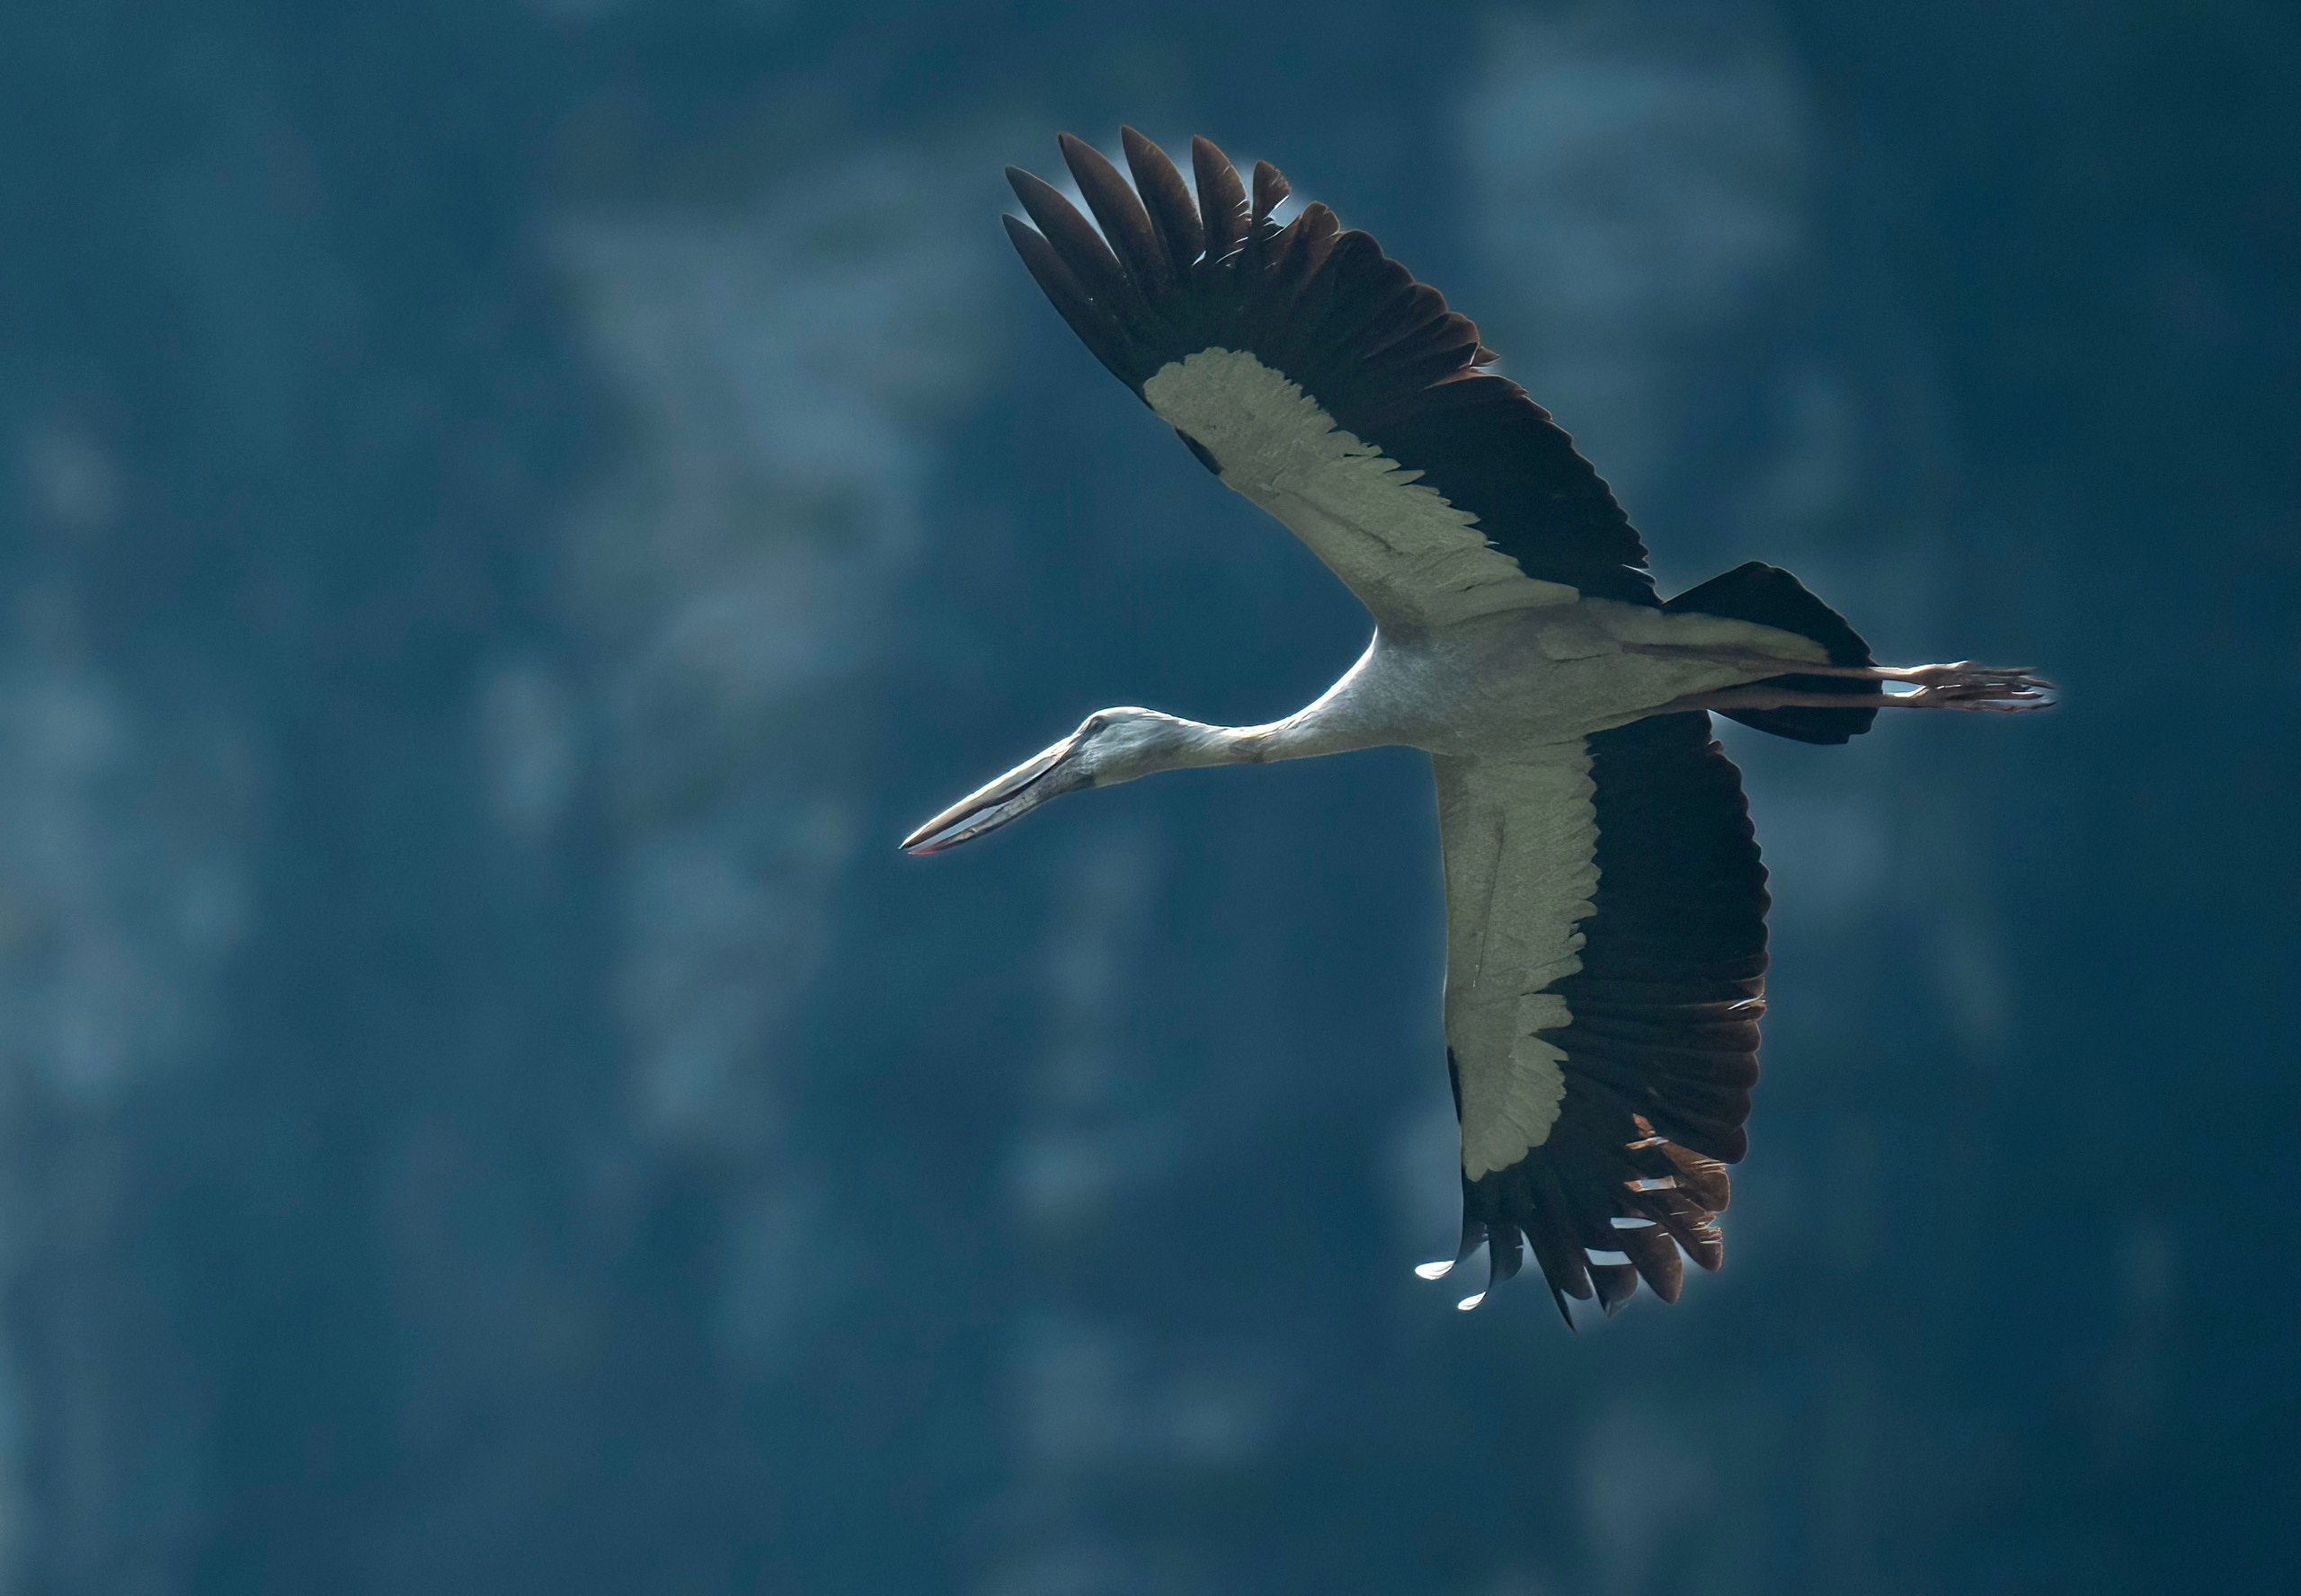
1038	778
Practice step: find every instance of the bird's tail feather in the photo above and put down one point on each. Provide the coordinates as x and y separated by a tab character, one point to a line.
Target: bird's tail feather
1770	596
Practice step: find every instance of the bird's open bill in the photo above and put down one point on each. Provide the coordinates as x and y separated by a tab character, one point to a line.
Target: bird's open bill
1021	790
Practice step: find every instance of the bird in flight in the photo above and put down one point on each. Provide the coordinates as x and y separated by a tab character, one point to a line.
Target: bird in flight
1605	907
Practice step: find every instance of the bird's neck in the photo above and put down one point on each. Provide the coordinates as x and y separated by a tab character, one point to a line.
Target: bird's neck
1335	722
1303	735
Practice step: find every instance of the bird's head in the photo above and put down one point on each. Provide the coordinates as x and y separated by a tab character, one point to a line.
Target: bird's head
1111	746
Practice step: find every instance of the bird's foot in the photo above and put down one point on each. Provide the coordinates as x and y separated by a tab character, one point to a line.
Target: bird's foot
1966	686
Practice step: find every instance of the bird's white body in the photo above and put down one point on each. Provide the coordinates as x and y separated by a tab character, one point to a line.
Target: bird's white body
1510	684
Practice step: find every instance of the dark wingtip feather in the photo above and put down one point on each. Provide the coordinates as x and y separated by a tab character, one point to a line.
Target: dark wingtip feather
1092	322
1042	262
1657	1258
1074	238
1505	1255
1270	188
1172	214
1704	1180
1221	200
1617	1283
1696	1232
1043	200
1125	225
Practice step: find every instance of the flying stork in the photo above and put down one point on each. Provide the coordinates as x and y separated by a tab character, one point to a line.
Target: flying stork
1605	907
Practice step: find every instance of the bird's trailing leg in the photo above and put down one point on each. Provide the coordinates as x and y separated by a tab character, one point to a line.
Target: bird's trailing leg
2001	693
1965	686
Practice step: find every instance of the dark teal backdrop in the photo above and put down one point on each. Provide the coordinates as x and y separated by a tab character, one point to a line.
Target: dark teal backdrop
509	508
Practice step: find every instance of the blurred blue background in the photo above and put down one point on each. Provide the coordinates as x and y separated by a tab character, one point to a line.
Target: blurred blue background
512	506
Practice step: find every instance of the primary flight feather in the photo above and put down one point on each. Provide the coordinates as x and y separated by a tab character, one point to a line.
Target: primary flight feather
1605	907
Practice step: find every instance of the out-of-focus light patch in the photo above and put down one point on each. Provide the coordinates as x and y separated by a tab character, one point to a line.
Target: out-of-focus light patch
1830	850
1090	1396
1086	1143
1069	1178
1101	893
1079	1565
212	911
1973	976
717	952
1850	1165
586	12
1704	156
1217	1415
1099	908
1644	1483
123	881
1639	189
787	1257
528	746
72	479
1091	1401
1815	474
2134	1379
787	362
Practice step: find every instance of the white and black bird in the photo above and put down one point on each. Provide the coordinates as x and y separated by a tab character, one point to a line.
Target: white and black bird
1605	907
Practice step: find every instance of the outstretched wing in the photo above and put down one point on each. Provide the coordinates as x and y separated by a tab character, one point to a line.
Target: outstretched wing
1316	377
1605	962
